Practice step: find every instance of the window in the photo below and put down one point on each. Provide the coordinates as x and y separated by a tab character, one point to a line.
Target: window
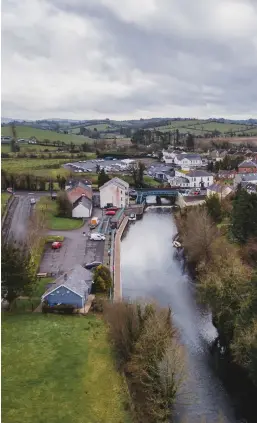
67	292
57	292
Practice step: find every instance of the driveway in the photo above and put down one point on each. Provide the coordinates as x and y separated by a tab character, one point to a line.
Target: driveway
76	249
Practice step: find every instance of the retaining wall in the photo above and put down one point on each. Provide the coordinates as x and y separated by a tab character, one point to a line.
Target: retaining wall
117	292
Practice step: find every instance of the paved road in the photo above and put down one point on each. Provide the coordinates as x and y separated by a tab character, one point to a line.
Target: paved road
19	223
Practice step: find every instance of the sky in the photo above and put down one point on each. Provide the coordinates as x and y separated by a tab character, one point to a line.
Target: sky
125	59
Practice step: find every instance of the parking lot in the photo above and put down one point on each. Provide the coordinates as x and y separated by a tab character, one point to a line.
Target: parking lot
76	249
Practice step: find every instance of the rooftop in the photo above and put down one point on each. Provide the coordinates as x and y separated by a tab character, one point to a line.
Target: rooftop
199	173
76	279
248	163
78	191
218	188
249	177
189	156
115	181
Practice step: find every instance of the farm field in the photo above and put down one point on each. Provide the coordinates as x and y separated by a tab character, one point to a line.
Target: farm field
41	134
35	166
59	369
55	222
28	148
199	127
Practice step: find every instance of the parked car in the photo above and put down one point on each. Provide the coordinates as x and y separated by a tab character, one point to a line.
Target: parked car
132	217
97	237
113	208
32	201
92	265
56	245
196	193
110	213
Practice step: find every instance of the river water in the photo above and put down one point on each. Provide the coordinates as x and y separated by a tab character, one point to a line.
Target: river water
150	269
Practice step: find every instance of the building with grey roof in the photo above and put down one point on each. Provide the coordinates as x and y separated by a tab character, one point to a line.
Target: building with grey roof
71	288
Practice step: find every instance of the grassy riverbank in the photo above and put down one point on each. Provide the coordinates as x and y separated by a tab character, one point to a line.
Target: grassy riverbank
60	370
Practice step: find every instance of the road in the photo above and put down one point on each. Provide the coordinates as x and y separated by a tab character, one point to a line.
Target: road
19	222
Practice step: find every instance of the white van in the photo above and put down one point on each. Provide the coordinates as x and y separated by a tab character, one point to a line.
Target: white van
97	237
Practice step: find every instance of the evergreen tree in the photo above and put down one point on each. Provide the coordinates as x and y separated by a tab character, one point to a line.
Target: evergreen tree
102	178
17	274
102	279
190	142
64	207
214	208
244	216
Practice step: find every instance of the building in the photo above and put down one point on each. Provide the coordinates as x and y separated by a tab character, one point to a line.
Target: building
196	178
248	166
80	196
115	192
169	156
220	190
190	200
188	161
71	288
227	174
245	179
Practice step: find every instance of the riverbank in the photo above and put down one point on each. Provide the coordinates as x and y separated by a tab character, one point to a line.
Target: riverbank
223	281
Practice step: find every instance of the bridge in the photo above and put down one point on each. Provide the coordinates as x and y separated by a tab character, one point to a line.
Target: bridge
142	193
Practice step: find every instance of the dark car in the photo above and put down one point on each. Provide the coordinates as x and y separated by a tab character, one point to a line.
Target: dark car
92	265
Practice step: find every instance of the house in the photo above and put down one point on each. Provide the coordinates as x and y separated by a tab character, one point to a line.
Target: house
248	166
169	156
71	288
220	190
245	178
115	192
80	196
196	178
188	161
190	200
227	174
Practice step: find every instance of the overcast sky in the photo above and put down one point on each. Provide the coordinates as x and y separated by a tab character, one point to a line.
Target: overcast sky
85	59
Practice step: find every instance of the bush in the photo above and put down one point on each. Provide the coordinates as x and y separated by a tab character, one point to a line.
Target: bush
60	308
102	279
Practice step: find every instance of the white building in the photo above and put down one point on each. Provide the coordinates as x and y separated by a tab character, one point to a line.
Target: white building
82	208
188	161
220	190
115	192
195	178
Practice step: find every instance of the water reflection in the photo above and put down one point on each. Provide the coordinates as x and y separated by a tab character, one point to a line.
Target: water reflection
150	270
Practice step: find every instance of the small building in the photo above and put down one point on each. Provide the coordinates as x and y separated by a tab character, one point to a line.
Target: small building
220	190
196	178
248	166
245	178
80	196
227	174
72	288
190	200
188	161
115	192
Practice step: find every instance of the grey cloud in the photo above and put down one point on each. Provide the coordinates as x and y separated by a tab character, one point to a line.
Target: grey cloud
176	60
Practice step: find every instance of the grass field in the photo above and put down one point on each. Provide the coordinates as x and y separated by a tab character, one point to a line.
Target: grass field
4	198
199	127
35	166
41	134
54	222
28	148
59	369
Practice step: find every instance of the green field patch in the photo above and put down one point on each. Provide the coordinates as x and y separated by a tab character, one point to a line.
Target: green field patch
59	369
41	135
49	207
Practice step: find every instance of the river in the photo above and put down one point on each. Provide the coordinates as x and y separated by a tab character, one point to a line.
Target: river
150	270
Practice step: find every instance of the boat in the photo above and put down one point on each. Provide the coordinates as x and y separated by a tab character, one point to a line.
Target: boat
176	244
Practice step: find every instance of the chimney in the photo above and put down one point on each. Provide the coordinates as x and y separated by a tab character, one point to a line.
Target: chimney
65	277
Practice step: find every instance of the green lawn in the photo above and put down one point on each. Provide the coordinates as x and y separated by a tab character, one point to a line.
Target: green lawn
27	132
59	369
28	148
57	223
4	198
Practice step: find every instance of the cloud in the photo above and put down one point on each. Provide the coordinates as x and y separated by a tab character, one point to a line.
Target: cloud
135	58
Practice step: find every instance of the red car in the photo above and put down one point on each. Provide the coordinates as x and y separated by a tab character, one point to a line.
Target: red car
56	245
114	208
110	213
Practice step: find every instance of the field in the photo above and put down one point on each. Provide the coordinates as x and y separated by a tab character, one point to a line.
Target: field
200	127
41	134
35	166
59	369
54	222
28	148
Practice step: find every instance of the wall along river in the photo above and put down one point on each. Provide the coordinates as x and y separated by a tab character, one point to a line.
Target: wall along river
151	270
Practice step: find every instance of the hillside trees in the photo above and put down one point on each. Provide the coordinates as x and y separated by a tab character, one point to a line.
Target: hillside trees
214	208
17	274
